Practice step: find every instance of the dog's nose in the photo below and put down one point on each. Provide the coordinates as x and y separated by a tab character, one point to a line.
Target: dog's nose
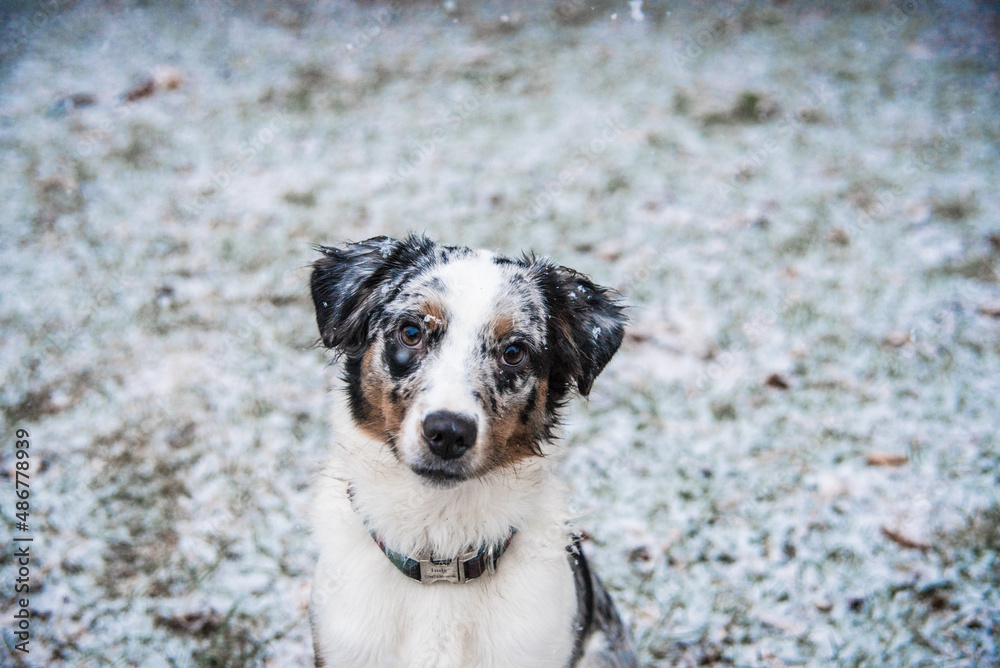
449	434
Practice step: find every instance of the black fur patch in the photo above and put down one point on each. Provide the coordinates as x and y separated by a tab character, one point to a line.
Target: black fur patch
529	405
360	409
401	361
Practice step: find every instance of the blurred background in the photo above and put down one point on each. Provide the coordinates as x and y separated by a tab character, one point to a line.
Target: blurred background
793	460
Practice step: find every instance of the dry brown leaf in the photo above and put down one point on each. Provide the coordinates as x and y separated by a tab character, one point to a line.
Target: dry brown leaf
776	380
199	623
886	459
638	335
992	309
144	88
903	540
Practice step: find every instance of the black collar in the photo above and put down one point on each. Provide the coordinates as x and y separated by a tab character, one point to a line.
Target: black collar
458	570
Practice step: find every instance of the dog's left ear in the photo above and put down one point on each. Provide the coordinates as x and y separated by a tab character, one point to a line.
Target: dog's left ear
586	326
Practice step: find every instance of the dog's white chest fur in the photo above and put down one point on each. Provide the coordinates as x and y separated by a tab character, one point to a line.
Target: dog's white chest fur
379	618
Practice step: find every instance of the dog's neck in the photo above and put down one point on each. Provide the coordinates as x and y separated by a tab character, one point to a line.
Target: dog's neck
413	516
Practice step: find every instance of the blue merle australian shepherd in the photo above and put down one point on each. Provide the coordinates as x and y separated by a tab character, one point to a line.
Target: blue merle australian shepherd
441	525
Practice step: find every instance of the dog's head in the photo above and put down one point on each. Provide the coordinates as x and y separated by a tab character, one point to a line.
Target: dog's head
459	359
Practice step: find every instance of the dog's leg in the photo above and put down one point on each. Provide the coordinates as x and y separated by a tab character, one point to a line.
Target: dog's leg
604	642
610	645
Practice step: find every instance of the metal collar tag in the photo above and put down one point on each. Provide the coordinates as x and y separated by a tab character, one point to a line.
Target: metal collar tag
442	570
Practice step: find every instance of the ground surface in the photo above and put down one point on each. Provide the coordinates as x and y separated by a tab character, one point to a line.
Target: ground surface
799	203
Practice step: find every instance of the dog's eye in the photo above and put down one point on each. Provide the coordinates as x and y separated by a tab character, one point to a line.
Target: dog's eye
410	335
514	355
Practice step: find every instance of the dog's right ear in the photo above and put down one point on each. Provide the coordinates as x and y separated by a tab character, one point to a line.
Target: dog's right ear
343	284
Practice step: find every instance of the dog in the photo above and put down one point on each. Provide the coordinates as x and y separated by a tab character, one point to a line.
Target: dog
442	528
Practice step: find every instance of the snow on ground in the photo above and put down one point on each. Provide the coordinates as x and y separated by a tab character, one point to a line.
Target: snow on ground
799	203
